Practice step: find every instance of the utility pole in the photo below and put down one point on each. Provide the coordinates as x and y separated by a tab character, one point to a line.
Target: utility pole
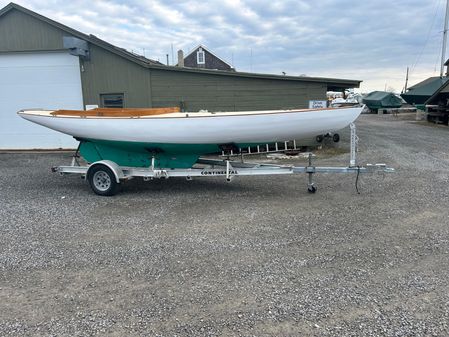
443	52
406	81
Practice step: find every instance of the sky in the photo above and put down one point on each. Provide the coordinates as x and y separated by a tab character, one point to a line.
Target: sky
373	41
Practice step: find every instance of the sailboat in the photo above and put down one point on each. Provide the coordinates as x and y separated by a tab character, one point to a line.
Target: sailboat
175	139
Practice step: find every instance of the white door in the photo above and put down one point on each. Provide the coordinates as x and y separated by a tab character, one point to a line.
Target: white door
37	80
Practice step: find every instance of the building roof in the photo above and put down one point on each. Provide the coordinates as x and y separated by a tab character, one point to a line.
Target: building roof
443	89
206	49
422	91
89	38
428	86
334	84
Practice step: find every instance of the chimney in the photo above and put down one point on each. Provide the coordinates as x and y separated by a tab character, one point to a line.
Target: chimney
180	58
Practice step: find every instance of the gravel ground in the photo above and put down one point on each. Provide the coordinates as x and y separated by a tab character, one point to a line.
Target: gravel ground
256	257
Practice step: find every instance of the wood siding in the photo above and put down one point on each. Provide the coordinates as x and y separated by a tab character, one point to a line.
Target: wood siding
22	32
223	93
107	73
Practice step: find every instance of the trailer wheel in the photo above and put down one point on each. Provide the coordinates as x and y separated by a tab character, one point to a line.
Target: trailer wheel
311	189
336	137
102	180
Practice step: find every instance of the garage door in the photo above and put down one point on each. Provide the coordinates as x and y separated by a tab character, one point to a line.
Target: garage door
36	80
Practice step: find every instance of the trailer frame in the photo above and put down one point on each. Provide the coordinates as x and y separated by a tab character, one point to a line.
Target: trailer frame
105	176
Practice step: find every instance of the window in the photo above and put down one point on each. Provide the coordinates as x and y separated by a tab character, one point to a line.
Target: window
112	100
200	56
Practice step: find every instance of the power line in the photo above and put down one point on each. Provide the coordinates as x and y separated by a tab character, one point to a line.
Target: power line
418	57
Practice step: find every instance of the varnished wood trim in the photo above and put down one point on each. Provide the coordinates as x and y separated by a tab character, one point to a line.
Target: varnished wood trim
114	112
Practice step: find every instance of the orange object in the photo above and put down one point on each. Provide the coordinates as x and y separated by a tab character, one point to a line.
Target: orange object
114	112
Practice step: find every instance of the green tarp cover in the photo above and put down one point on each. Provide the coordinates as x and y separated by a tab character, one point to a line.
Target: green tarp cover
421	92
382	99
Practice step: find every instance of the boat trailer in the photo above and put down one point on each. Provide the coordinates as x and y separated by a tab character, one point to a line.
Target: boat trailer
105	176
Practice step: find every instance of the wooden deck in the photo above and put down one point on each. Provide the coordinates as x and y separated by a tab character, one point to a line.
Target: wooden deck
114	112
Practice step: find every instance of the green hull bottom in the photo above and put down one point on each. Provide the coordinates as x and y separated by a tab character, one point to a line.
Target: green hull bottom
136	154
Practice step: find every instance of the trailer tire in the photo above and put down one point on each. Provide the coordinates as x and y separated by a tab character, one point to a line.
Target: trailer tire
102	180
311	189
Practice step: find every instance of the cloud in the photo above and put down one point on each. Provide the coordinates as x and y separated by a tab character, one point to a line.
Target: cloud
372	41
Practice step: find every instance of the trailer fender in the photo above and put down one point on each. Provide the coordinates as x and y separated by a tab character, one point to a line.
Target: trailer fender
118	173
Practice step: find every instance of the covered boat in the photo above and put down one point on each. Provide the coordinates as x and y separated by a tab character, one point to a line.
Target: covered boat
419	93
381	99
175	139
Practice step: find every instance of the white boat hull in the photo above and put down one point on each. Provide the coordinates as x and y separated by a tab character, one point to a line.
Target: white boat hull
201	127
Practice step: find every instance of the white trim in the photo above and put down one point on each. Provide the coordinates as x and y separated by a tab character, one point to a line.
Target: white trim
198	54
